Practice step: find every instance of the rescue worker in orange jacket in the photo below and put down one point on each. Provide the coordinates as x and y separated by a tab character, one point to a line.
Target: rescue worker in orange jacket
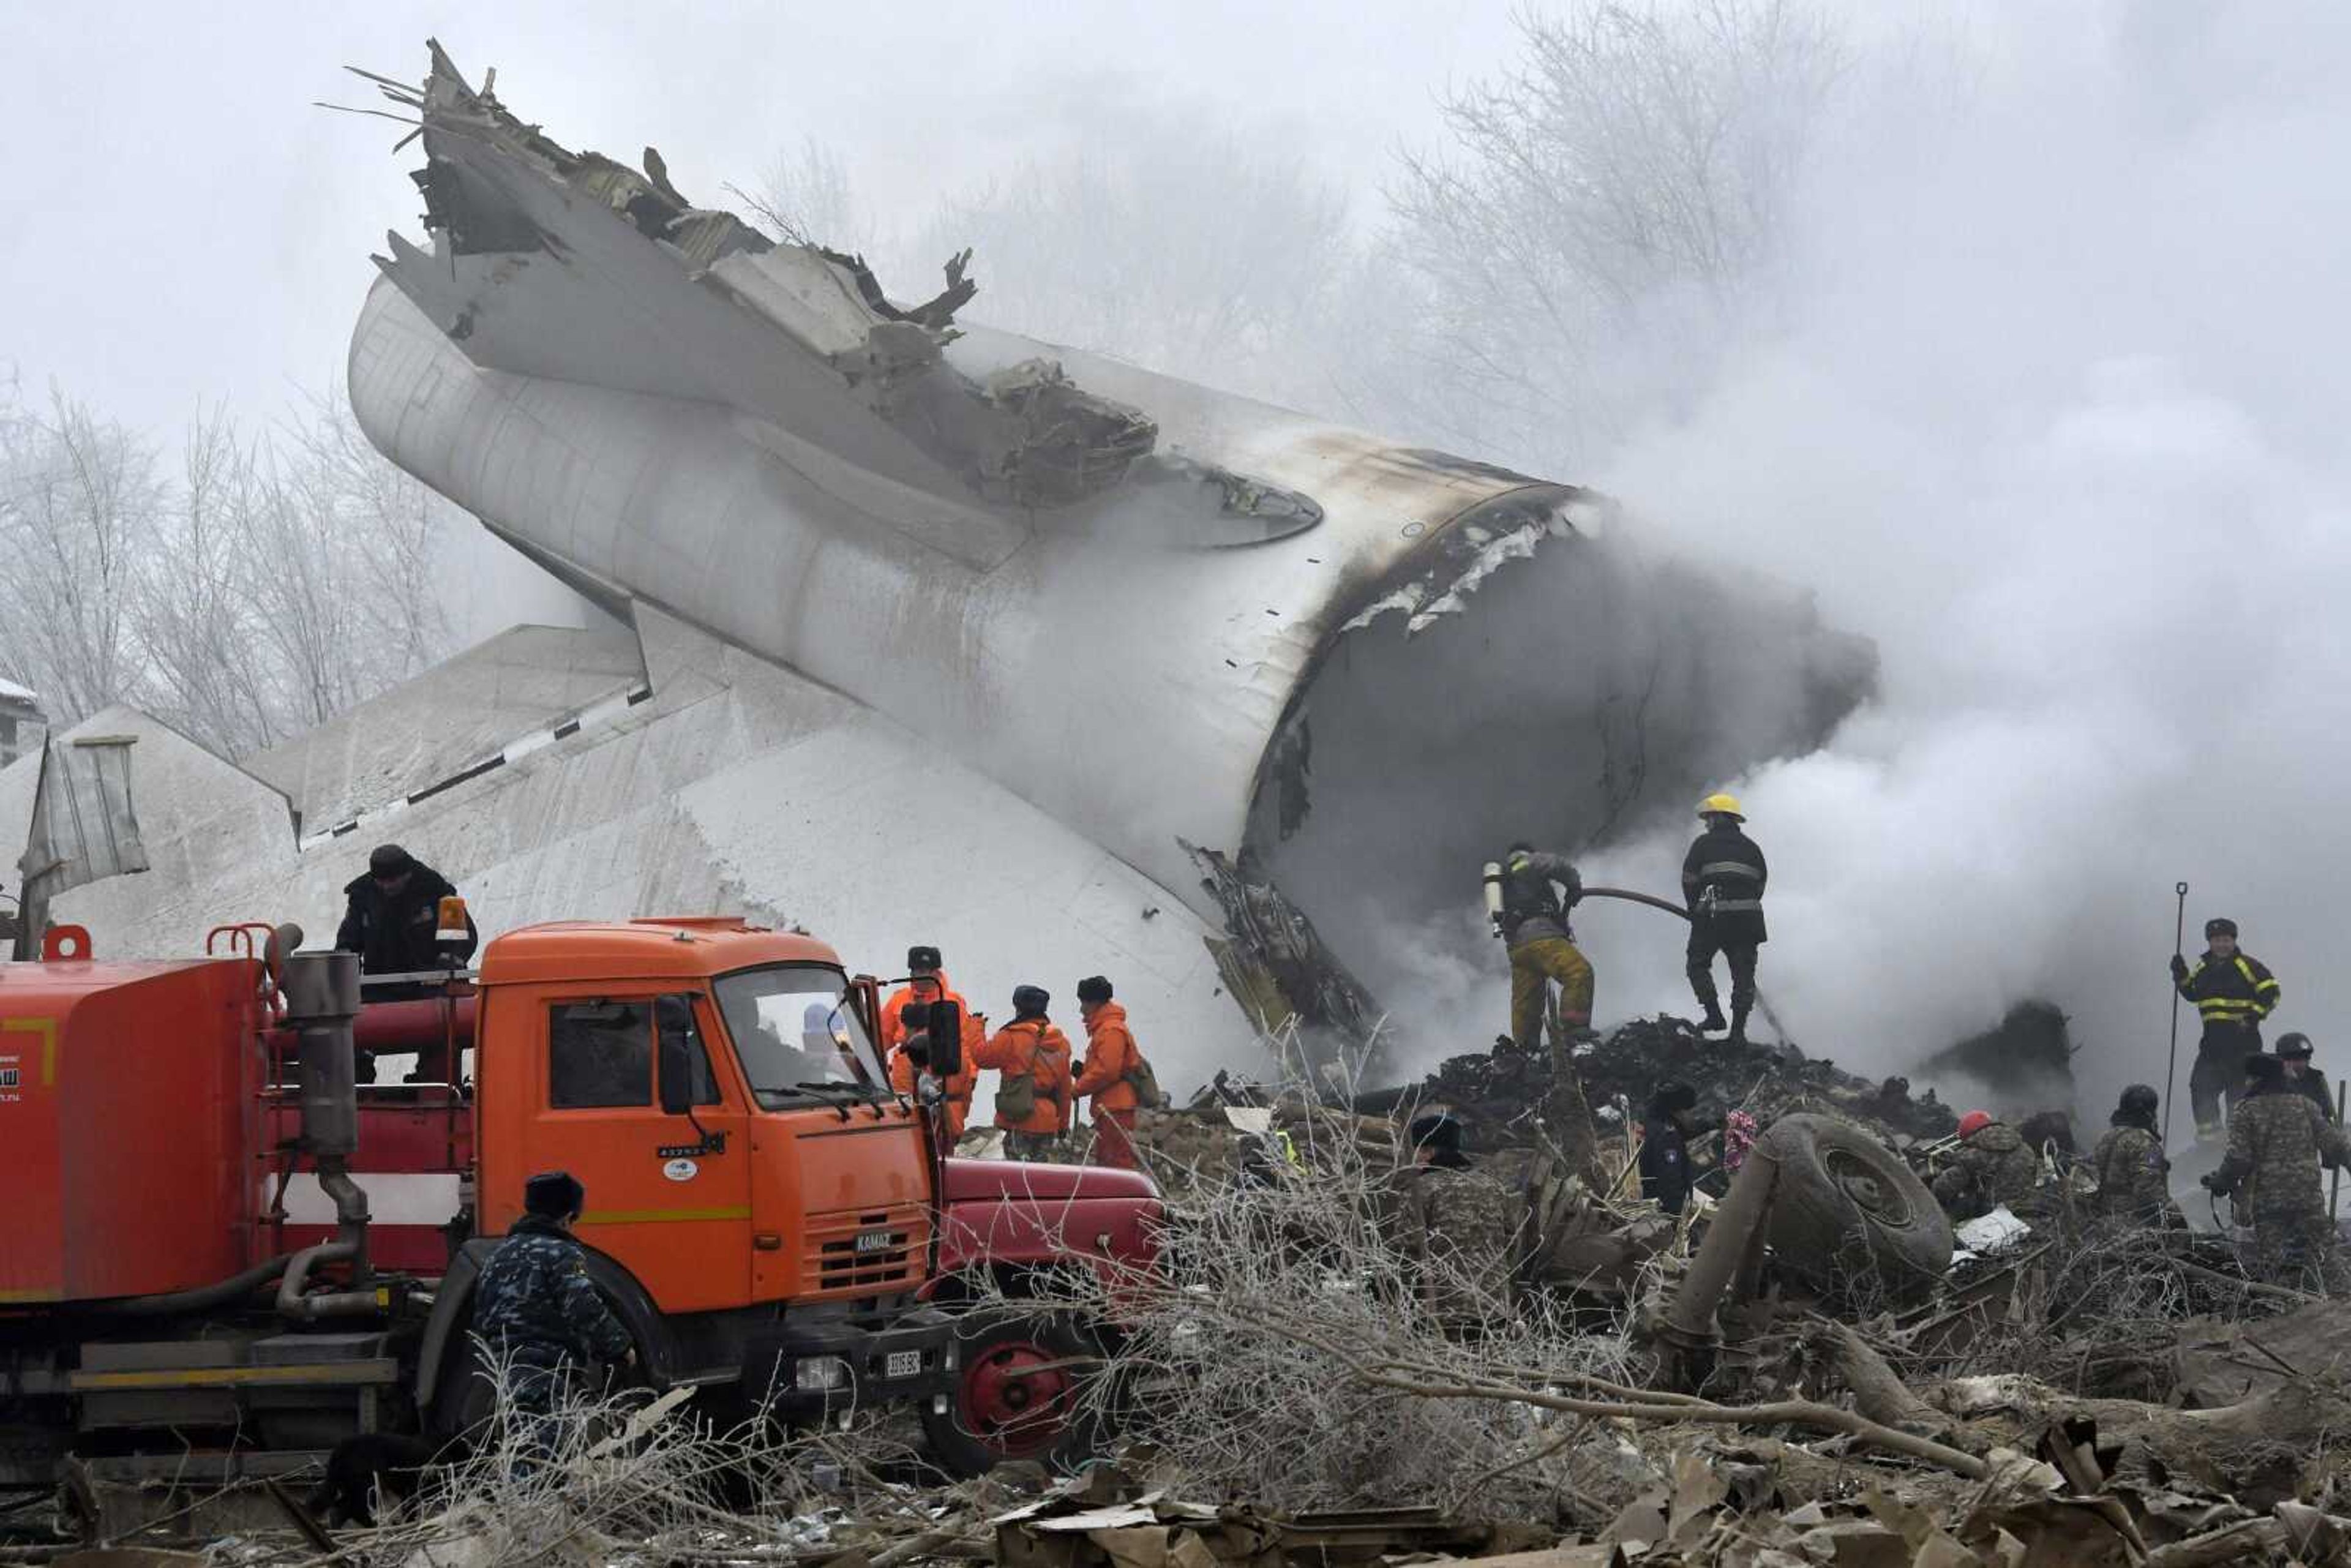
926	982
1107	1073
910	1058
1032	1098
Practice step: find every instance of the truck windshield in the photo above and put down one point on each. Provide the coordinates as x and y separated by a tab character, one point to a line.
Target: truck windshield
794	1031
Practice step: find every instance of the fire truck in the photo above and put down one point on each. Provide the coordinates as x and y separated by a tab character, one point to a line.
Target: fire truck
223	1253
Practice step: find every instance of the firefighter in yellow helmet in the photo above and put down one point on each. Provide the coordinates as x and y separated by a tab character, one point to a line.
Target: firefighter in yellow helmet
1722	882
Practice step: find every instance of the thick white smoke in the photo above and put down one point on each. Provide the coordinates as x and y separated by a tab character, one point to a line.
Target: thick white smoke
2056	413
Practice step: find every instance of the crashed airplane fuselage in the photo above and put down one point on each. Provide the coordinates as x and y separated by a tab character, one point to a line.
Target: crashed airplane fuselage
1273	665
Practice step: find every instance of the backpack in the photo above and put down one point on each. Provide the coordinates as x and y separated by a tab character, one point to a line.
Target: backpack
1144	1081
1016	1092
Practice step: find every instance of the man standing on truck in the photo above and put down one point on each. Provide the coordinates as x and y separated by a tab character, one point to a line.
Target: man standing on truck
1111	1075
926	982
1722	884
1531	918
911	1058
2233	992
538	1313
1033	1096
392	917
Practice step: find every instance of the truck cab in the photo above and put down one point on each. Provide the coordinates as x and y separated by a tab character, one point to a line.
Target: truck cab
715	1088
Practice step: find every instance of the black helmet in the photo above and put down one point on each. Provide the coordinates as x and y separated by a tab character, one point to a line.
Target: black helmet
2219	925
1520	846
555	1195
2295	1045
1437	1131
915	1017
2263	1067
2140	1099
1673	1098
389	860
922	960
1030	1002
1093	988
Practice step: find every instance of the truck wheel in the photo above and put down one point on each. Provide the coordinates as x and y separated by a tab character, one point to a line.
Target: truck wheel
1848	1212
1018	1393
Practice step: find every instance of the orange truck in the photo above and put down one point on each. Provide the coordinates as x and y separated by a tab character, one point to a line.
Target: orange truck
224	1251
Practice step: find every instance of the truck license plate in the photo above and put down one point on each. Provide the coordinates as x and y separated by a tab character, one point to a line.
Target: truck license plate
902	1364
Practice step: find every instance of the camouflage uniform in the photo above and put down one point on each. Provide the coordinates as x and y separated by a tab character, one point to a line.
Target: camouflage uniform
2276	1138
539	1314
2134	1177
1457	1229
1991	1168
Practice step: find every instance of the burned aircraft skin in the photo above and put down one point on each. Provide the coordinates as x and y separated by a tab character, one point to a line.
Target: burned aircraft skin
1222	640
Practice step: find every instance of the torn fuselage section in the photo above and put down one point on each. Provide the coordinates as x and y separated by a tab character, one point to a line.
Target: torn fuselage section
501	198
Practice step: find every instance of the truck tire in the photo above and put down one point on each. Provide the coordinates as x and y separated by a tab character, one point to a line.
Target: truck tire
1849	1216
1016	1395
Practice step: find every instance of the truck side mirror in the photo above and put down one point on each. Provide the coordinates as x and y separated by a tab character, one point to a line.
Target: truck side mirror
947	1038
673	1027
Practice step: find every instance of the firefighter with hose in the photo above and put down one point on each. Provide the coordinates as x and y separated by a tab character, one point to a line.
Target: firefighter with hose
1530	916
1722	879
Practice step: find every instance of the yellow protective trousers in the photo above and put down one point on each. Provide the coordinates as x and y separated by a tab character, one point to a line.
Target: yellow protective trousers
1532	966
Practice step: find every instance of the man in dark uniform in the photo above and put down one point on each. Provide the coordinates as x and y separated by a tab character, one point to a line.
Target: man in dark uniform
393	918
2293	1050
538	1313
2233	992
1722	882
1666	1174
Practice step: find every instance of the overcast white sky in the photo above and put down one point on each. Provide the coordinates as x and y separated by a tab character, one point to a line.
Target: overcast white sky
184	226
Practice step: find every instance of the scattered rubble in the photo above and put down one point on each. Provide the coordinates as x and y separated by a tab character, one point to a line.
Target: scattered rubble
1288	1397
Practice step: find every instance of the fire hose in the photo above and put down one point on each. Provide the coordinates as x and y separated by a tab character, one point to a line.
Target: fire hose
1670	907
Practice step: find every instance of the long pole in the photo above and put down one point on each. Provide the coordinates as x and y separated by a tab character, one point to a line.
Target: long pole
2171	1062
2335	1188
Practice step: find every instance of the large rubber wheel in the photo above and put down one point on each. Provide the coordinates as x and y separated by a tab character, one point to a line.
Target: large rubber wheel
1019	1394
1849	1216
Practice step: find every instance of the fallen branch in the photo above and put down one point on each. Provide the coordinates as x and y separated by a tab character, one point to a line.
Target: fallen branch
2237	1542
1780	1413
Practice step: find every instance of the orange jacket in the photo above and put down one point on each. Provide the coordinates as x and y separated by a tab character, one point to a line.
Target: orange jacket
1037	1046
958	1109
893	1007
1111	1055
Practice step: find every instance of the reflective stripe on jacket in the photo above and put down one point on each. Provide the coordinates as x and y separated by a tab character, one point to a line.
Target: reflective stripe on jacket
2238	991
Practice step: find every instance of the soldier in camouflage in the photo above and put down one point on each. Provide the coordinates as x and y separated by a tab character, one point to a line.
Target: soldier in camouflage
1992	1167
2133	1176
1457	1229
2277	1139
538	1313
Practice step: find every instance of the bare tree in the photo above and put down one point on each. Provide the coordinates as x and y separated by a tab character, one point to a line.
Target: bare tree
1205	256
805	198
277	581
208	670
1607	212
77	500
